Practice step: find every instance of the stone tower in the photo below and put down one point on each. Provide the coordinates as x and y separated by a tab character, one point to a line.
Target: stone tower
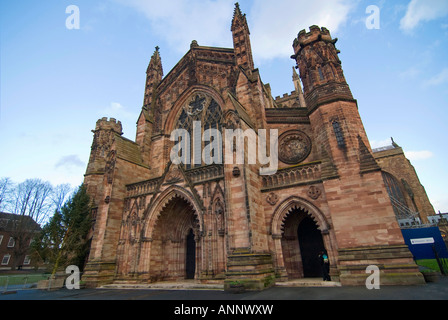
364	222
101	151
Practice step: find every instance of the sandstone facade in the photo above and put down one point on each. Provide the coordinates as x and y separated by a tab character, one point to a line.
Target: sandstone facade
156	220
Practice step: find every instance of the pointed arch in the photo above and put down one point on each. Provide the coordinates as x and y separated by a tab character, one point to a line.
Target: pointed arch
171	120
285	208
155	209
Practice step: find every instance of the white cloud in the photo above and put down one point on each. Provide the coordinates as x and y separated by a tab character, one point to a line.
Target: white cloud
423	10
438	79
380	143
71	160
118	111
275	24
410	73
181	21
440	202
418	155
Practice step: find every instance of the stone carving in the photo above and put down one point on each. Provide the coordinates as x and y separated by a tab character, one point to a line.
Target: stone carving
232	121
174	176
196	105
272	198
219	211
110	166
293	147
314	192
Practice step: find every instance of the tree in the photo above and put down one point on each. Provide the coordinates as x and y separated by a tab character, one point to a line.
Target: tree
63	240
60	194
32	198
5	189
30	202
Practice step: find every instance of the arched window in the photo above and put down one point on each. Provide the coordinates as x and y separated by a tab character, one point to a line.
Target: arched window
198	117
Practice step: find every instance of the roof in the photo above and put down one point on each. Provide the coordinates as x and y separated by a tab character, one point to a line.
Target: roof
8	221
128	150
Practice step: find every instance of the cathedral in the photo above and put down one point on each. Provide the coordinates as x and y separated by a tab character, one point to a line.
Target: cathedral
226	222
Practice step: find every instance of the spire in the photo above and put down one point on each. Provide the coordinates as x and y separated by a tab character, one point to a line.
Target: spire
154	74
237	12
295	76
298	87
241	39
155	64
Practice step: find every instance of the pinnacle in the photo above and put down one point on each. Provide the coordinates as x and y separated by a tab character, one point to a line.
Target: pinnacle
237	10
156	53
239	19
155	64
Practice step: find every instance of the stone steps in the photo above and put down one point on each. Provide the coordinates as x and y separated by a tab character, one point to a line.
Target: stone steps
308	282
180	285
194	285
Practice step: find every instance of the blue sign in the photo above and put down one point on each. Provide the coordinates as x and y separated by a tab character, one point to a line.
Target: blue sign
423	241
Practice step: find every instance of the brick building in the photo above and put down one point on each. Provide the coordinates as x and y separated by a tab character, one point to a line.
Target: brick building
16	233
156	220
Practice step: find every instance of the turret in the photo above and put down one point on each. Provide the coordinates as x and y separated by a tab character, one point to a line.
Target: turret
334	116
104	133
320	68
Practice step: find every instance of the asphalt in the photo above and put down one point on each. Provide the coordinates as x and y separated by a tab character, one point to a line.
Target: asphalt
185	302
430	291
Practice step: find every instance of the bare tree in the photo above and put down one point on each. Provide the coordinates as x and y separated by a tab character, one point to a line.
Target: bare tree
60	195
32	204
32	198
6	186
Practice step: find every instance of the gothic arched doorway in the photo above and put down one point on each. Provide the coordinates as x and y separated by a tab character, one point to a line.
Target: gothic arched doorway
190	257
173	254
311	244
301	243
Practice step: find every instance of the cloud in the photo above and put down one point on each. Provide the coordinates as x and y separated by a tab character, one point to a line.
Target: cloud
71	160
423	10
273	24
181	21
118	111
440	203
418	155
438	79
380	143
410	73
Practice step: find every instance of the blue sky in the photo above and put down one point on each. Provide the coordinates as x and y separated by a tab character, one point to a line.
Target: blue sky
56	82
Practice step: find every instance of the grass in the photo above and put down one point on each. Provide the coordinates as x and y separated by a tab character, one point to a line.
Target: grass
18	279
430	263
